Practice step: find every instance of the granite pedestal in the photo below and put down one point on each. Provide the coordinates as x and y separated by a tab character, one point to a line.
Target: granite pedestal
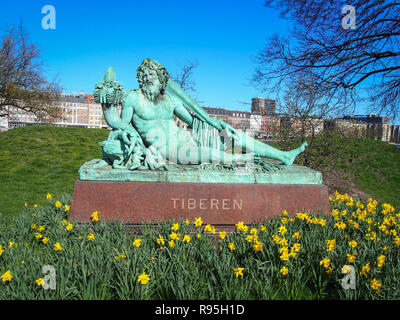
219	198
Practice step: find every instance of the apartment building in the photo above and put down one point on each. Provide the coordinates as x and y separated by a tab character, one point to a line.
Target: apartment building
78	110
377	127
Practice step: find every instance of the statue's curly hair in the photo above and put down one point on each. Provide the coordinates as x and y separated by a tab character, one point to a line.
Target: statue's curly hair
149	64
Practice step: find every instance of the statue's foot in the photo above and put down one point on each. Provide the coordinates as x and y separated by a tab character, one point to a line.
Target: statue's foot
291	155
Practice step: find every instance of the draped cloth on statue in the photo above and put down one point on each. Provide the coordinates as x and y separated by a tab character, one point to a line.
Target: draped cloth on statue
206	135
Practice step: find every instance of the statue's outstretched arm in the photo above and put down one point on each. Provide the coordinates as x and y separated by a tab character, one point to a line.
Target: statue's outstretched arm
181	112
192	105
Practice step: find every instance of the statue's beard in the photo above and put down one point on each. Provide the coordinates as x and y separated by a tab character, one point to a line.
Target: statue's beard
152	91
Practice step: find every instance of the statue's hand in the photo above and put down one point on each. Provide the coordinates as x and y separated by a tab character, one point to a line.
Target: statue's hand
230	131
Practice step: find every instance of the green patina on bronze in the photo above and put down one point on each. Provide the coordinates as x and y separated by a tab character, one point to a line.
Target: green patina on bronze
145	143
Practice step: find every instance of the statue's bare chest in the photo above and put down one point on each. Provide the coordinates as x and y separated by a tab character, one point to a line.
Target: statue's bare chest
160	110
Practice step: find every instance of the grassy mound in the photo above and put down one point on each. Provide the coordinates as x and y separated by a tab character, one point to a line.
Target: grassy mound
361	167
40	159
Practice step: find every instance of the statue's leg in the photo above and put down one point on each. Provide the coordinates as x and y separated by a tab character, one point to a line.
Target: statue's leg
264	150
196	155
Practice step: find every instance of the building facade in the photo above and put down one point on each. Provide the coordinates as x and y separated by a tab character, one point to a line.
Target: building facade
78	110
378	128
263	106
395	134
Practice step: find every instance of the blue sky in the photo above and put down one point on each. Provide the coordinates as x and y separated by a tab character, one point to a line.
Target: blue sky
91	35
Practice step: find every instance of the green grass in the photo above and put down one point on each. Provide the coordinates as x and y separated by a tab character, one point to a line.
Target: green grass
39	159
374	164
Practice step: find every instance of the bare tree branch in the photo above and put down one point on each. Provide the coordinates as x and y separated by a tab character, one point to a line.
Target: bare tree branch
342	61
22	83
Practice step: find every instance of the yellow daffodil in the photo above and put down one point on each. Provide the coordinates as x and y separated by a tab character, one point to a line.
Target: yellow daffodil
284	270
58	204
351	258
186	238
296	247
143	278
263	228
57	246
198	222
296	235
276	238
249	238
283	242
257	246
187	221
238	272
282	230
45	240
39	281
231	246
160	240
49	196
241	226
284	254
175	236
380	261
94	216
375	284
69	227
365	269
353	243
91	237
325	262
175	227
340	225
330	246
137	242
222	235
6	277
209	228
171	243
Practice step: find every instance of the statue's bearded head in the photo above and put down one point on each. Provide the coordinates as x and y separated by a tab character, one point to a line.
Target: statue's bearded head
152	78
